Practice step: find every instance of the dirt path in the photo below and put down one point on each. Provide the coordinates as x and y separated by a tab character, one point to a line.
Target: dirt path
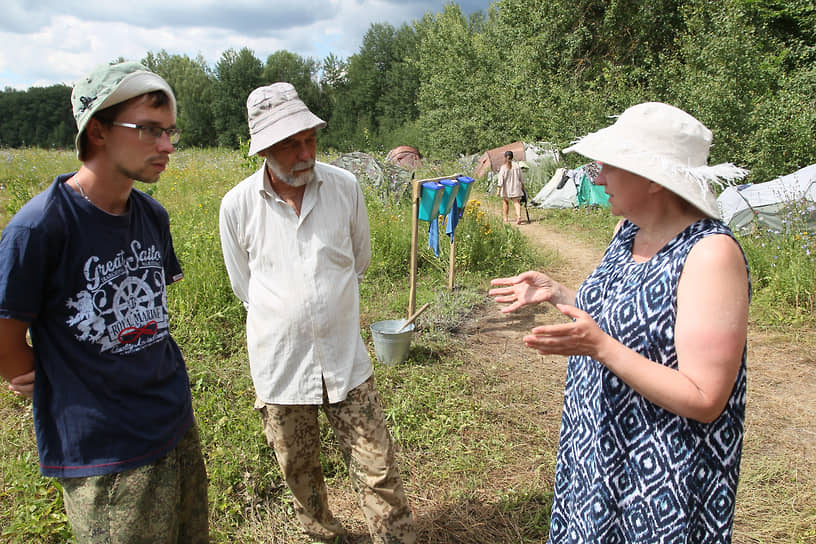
777	493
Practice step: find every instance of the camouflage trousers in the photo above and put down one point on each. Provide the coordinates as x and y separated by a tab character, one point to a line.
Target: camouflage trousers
359	427
161	503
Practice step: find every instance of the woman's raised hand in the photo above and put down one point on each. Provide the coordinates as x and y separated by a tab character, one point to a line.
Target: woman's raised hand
527	288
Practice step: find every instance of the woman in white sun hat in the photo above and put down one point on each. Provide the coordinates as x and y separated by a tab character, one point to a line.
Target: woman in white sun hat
654	403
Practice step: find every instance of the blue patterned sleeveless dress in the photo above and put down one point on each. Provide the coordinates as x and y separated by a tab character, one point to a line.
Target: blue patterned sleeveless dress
627	470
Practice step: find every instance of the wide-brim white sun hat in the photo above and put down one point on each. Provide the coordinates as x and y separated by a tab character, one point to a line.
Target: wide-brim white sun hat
666	145
275	112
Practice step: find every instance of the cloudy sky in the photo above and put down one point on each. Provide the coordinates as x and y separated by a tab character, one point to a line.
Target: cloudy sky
45	42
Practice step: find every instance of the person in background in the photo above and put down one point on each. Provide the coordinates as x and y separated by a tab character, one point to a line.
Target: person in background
84	267
511	186
654	402
295	239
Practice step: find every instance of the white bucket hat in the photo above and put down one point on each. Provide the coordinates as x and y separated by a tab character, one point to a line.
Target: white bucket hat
274	113
665	145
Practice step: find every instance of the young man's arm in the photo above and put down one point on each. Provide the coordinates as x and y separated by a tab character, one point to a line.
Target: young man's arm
16	356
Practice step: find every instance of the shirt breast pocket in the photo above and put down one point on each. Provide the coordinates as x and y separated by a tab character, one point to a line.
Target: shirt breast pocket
335	249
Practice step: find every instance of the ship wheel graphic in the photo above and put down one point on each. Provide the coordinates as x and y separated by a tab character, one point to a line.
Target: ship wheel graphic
133	294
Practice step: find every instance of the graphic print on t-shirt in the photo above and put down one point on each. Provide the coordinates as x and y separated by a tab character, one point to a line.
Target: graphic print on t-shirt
124	306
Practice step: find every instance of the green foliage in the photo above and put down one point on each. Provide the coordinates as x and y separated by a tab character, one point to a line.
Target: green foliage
786	123
456	109
792	24
390	225
532	507
377	94
721	67
202	307
38	515
530	70
40	116
429	415
26	172
192	82
486	246
593	224
783	268
300	72
237	74
483	244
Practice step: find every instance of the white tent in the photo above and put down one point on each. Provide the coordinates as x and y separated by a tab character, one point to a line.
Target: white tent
762	204
559	192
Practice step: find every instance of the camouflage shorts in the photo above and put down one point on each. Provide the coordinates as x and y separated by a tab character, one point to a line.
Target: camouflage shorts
359	427
161	503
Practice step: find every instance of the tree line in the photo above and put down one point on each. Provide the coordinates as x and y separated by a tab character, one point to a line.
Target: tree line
552	70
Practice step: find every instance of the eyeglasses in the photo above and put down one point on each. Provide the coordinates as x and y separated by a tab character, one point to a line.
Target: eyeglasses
150	134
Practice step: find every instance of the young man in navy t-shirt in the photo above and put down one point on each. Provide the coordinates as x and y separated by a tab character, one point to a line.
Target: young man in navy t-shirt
84	268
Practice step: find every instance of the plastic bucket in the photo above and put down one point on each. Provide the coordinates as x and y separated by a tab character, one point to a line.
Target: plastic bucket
391	346
448	195
429	200
462	196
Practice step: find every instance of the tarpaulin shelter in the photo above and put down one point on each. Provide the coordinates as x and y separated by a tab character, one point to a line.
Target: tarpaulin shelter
744	207
531	153
405	156
491	160
559	192
590	194
388	179
572	189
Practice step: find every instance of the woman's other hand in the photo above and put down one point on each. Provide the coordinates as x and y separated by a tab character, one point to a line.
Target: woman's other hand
580	336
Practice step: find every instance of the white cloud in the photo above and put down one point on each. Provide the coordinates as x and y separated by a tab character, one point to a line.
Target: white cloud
49	42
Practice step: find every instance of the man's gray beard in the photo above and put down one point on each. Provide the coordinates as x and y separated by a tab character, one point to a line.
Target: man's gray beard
294	181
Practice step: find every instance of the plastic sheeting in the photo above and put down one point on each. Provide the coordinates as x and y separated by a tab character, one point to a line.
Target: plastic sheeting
770	204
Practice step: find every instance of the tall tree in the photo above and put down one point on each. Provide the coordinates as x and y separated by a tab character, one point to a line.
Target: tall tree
333	85
333	79
39	116
792	24
456	97
302	73
192	82
237	74
719	69
379	87
397	99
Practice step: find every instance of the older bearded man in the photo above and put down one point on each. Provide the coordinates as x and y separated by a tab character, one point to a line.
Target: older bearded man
296	242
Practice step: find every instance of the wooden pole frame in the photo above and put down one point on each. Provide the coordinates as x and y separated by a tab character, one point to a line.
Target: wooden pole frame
416	194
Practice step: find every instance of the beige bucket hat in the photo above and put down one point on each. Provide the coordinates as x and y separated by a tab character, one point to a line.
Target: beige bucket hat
275	112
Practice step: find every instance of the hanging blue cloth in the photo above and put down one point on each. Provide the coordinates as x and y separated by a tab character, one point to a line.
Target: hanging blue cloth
453	220
433	235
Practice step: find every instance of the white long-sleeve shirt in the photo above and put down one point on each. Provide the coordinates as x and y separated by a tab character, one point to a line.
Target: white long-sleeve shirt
298	278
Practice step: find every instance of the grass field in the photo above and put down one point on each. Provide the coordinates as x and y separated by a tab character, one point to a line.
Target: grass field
443	430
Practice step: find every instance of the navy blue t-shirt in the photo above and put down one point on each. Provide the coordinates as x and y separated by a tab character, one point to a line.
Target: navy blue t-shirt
111	391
